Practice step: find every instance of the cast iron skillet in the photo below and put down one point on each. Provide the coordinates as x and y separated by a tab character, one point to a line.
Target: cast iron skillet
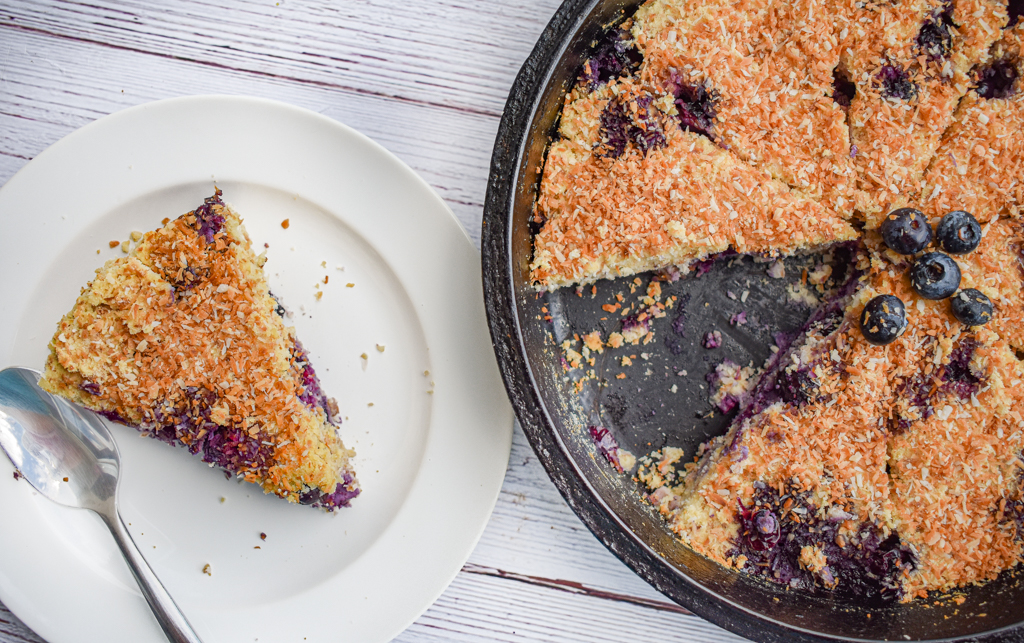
664	398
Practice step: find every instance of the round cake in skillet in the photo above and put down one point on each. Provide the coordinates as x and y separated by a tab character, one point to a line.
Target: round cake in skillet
880	453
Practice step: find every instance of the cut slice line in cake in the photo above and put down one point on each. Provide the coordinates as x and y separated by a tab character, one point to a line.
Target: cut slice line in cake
182	340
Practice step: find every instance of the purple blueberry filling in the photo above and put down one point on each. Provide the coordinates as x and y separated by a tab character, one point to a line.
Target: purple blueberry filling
114	416
896	83
190	278
697	106
798	386
956	379
614	57
209	223
714	378
607	445
633	323
1015	509
312	395
827	320
341	497
935	39
997	79
713	339
957	375
860	565
621	126
230	448
92	388
1015	8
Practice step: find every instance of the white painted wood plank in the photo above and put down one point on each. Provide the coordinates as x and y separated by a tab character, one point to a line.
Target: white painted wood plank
533	532
446	52
478	607
62	85
12	630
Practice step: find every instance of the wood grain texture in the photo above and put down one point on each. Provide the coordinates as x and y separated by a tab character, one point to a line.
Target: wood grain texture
426	79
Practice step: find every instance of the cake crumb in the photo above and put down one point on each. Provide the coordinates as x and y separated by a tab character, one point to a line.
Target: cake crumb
113	244
380	348
286	223
207	569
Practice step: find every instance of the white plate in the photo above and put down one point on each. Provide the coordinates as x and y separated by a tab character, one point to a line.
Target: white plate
431	464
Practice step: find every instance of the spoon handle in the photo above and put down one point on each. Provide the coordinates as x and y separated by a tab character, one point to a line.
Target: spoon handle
172	621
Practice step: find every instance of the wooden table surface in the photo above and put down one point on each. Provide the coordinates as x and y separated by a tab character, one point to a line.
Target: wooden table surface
428	80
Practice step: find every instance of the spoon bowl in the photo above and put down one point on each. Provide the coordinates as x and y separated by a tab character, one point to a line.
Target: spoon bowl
67	454
63	451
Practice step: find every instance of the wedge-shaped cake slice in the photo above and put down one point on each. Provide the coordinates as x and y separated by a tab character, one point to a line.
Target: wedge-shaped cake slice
956	469
979	163
629	190
757	78
908	85
182	340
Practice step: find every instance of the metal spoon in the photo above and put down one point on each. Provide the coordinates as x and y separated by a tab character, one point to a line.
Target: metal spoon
69	456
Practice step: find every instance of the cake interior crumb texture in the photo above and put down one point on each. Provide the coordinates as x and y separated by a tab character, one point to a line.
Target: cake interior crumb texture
697	131
182	340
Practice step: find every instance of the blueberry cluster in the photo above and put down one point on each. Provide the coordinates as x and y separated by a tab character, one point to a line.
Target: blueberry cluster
934	275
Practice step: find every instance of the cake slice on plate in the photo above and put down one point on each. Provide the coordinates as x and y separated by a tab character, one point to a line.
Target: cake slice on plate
182	340
762	74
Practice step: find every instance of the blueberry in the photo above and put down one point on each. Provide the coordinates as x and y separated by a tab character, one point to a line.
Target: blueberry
906	231
958	232
971	307
883	320
935	275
